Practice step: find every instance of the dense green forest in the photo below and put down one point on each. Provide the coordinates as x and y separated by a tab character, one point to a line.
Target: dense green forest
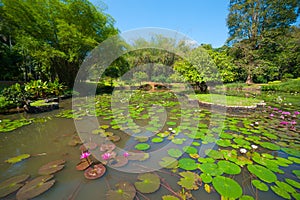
49	39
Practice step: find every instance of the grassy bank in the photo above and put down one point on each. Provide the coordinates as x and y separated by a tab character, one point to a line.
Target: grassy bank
226	100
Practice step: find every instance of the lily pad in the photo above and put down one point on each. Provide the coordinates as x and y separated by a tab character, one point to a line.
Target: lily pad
90	145
35	187
295	160
84	164
138	155
293	152
187	164
17	159
270	146
206	178
190	150
260	185
168	162
246	197
95	172
157	140
211	169
285	186
51	167
109	147
214	154
262	173
178	140
113	138
189	180
175	152
229	167
148	183
118	161
224	143
142	146
281	192
296	172
293	183
169	197
227	187
124	191
12	184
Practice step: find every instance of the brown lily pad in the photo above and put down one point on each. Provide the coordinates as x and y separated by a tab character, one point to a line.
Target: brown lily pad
52	167
138	155
90	145
114	138
124	191
75	141
107	147
119	161
35	187
84	164
95	172
12	184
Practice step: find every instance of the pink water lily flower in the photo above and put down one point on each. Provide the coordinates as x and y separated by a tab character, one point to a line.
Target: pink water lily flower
286	113
85	155
271	115
281	117
284	123
125	154
106	156
296	112
293	122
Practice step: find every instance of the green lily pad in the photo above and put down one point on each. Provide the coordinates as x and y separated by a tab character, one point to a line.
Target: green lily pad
189	180
266	155
124	191
211	169
229	167
280	192
224	143
187	164
12	184
270	146
260	185
214	154
163	134
17	159
169	197
227	187
285	186
296	172
206	178
293	183
190	150
246	197
293	152
178	140
104	126
171	123
225	136
262	173
168	162
157	140
175	152
147	183
243	143
142	146
295	160
296	196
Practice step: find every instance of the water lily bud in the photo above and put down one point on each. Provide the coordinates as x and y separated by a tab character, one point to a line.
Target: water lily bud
242	150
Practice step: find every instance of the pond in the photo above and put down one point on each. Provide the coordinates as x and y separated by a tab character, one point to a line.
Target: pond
159	146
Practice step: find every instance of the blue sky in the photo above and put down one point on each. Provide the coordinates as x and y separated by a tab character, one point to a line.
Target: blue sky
201	20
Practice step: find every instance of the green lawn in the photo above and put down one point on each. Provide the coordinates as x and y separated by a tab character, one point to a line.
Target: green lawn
226	100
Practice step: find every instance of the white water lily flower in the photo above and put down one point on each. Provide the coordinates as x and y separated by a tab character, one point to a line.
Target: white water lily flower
170	129
242	150
254	146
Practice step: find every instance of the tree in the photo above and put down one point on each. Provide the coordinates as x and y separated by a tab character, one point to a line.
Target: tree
55	36
250	22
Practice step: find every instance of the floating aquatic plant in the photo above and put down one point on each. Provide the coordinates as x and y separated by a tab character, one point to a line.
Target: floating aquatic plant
95	172
175	152
17	159
124	191
229	167
262	173
260	185
187	164
51	167
227	187
168	162
142	146
12	184
148	183
189	180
